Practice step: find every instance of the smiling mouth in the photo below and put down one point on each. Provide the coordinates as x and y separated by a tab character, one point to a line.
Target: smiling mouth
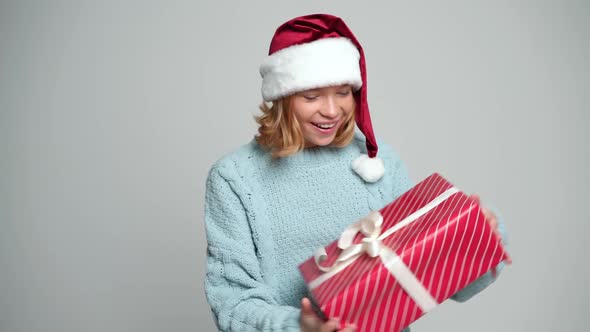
324	125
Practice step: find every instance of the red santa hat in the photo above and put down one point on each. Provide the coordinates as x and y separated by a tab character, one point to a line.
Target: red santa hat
315	51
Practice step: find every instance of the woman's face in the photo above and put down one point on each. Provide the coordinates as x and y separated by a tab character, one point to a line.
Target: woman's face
320	112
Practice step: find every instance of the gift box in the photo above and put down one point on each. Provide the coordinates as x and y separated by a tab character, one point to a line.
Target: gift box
396	264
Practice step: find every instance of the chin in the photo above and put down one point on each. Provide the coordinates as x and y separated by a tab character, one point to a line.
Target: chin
323	142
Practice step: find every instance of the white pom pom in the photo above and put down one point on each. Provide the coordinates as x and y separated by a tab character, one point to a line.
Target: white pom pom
370	169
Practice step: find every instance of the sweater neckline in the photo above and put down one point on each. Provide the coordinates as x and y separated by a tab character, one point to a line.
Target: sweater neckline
315	156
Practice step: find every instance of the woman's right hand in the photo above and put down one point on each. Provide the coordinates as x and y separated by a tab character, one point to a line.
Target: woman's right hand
310	322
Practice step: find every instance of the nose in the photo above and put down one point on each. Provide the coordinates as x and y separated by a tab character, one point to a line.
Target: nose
330	107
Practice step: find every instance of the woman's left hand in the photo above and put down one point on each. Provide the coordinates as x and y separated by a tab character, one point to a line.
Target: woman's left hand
490	216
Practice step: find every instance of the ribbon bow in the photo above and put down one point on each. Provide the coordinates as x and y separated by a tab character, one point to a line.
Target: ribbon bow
370	227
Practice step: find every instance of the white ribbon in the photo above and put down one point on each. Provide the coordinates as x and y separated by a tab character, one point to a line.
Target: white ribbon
370	227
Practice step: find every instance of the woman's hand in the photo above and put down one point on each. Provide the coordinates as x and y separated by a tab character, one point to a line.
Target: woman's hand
490	218
310	322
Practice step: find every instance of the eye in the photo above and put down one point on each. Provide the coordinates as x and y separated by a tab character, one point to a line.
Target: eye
344	92
310	97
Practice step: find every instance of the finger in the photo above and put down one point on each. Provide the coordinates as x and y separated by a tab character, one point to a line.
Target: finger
490	217
309	320
498	235
306	308
489	214
493	222
330	326
349	328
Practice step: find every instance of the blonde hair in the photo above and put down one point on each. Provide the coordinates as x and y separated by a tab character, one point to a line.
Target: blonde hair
281	134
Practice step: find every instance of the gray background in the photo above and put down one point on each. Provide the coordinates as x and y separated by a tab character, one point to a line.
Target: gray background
112	112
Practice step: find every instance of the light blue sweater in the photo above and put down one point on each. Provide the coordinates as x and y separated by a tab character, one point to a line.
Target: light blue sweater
264	217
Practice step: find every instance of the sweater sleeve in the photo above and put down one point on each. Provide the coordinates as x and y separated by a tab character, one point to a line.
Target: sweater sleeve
485	280
235	288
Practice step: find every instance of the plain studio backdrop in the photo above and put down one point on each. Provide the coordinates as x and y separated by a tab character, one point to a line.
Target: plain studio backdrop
112	112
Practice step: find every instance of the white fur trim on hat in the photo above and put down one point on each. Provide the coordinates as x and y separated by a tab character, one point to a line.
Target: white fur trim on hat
323	62
370	169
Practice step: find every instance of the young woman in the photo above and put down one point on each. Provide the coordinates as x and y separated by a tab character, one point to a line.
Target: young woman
306	176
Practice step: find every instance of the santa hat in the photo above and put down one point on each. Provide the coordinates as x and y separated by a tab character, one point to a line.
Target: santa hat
315	51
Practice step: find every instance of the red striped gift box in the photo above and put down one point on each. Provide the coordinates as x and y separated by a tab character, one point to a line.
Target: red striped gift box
391	267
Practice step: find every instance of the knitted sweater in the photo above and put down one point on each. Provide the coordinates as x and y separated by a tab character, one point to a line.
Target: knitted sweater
264	217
